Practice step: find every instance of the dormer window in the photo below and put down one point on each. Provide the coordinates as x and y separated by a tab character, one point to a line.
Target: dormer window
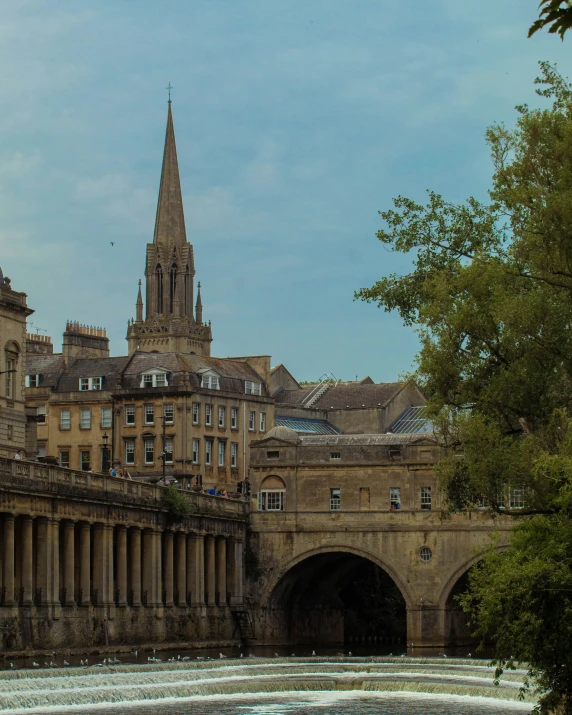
32	380
154	378
252	388
90	383
210	380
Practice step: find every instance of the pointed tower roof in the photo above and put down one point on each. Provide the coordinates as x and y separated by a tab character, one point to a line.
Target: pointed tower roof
170	220
139	296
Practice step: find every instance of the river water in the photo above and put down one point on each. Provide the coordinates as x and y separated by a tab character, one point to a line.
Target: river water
379	685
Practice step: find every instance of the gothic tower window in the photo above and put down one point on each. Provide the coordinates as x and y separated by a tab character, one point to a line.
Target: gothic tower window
188	298
172	287
159	286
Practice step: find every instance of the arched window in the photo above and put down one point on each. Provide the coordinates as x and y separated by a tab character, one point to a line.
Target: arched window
272	494
11	358
187	298
172	286
159	287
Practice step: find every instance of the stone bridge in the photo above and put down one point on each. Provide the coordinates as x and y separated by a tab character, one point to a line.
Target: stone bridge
324	506
90	560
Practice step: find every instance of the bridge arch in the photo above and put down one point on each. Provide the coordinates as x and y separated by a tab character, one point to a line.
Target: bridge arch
339	594
456	628
270	590
460	572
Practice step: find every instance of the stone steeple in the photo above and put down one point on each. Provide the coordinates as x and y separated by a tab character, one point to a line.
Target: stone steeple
169	324
170	219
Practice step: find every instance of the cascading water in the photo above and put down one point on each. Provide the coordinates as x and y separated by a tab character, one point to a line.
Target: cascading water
380	685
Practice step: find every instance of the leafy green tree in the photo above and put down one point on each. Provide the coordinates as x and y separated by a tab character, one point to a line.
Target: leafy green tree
178	507
524	597
490	296
556	14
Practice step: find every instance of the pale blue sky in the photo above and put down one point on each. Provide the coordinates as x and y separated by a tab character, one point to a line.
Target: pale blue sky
296	122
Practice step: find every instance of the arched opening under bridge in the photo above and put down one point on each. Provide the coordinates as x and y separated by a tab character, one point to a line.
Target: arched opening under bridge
458	629
342	598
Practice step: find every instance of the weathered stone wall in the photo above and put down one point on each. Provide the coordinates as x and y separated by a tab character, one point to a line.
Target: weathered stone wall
90	560
364	469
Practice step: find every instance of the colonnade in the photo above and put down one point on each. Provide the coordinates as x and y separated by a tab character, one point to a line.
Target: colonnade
51	561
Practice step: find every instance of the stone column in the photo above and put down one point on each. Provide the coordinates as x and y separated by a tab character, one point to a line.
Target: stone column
136	565
121	571
103	563
54	562
234	571
8	559
147	560
42	559
196	569
210	573
69	565
168	538
109	556
221	569
84	564
238	570
157	570
98	564
181	546
27	561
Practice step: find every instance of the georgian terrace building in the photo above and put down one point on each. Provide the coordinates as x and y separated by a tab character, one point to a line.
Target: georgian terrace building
201	411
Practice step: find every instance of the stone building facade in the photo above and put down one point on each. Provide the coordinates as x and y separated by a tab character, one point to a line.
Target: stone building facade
90	560
201	411
322	505
14	423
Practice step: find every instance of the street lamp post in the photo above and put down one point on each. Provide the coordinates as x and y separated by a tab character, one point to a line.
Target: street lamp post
105	437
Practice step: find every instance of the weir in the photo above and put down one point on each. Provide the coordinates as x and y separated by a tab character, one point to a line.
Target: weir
160	684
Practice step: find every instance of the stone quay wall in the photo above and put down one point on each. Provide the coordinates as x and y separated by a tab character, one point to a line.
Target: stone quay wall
90	560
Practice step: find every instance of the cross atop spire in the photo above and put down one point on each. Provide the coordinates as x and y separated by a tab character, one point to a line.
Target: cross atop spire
169	88
170	220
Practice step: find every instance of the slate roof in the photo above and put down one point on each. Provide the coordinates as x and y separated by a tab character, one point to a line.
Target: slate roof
48	366
344	395
108	368
293	398
232	372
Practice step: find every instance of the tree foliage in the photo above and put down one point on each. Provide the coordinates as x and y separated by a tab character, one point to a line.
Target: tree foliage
554	14
178	507
490	296
523	598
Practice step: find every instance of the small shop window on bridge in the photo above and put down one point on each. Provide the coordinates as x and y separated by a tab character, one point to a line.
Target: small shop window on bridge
273	454
272	494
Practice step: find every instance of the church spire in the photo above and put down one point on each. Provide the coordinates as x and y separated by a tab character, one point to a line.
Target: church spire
199	306
139	305
170	220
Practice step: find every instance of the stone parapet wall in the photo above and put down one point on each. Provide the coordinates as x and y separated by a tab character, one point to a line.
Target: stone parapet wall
70	483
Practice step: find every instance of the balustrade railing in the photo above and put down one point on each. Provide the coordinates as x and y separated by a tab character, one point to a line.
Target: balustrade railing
56	477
